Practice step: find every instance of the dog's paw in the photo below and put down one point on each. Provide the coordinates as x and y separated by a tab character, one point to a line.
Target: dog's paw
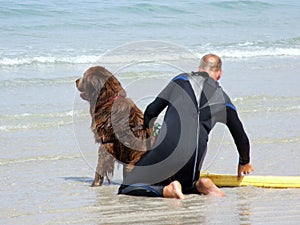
96	184
98	181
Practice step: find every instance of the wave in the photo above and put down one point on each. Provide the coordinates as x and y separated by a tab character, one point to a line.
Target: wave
238	50
38	115
32	121
252	49
34	125
279	141
269	104
17	82
142	8
4	162
46	82
247	53
40	60
239	5
266	98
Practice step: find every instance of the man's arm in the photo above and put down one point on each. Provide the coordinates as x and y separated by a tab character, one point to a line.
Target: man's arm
157	106
239	135
241	140
153	110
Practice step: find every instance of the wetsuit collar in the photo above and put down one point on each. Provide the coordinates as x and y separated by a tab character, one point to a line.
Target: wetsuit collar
203	74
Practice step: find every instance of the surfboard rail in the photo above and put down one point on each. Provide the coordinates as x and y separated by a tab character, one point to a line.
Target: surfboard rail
230	180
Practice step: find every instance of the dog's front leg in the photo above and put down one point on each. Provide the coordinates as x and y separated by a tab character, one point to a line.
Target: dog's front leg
105	166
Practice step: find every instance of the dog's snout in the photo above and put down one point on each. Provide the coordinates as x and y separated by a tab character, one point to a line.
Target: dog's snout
78	83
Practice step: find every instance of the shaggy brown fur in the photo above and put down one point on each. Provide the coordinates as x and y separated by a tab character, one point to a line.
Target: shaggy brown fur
116	122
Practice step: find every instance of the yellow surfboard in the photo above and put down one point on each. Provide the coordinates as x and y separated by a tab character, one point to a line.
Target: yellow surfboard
227	180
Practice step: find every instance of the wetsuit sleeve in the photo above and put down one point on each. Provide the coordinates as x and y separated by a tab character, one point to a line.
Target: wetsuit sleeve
157	106
238	133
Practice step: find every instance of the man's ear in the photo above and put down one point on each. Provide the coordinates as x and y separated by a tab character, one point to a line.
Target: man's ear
221	73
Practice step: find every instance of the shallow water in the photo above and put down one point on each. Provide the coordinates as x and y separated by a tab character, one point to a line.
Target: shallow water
45	179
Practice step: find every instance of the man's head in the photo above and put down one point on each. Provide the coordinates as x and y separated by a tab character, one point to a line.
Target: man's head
211	64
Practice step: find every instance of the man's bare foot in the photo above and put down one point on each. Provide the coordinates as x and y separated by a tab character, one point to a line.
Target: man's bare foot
173	190
207	187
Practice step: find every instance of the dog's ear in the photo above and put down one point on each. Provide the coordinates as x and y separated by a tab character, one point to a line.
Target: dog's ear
99	77
96	88
97	83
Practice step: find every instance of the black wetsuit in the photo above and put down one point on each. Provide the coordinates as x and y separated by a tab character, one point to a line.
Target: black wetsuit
195	103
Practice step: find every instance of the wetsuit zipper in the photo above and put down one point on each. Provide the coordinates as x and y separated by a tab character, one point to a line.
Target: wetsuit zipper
198	97
197	144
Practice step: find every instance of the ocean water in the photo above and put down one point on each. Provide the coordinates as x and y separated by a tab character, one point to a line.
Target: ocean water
48	155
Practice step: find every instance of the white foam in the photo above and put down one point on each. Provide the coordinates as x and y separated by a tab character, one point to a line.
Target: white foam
83	59
256	52
29	121
240	50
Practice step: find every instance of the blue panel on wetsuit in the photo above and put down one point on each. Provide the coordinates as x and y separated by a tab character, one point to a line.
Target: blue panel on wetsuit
182	77
230	105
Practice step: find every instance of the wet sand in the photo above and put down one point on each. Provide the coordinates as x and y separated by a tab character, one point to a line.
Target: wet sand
51	192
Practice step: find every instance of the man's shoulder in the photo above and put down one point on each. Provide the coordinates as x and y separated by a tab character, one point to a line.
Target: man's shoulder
186	76
182	76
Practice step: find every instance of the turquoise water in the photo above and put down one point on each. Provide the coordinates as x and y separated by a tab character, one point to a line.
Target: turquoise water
46	45
50	32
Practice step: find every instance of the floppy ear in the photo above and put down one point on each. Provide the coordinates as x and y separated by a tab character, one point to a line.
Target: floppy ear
97	84
94	88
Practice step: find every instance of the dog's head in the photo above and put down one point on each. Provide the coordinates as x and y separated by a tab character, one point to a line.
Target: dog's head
98	85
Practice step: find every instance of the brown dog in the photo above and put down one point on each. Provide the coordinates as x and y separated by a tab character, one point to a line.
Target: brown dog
116	122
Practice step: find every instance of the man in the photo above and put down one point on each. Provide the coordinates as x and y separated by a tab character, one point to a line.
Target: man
194	102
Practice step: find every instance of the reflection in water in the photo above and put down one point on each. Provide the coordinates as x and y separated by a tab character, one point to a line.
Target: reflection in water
243	205
122	209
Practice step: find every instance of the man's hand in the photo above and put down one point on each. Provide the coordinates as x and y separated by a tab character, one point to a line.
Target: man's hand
244	169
